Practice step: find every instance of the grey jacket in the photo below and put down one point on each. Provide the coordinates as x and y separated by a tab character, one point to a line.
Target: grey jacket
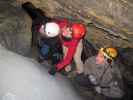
107	77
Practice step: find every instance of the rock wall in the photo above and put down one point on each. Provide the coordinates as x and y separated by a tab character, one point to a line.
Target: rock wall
112	18
109	21
14	30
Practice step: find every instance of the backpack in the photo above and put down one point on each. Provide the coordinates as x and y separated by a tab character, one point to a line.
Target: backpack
88	50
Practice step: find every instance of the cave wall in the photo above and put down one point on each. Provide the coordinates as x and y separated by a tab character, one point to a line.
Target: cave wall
109	21
14	31
113	17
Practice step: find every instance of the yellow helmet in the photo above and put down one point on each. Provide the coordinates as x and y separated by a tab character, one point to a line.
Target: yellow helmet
110	53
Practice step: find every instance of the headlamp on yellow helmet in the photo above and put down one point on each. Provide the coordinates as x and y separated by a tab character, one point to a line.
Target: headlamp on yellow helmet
110	53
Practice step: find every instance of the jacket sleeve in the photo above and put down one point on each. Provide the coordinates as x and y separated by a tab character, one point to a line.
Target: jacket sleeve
69	43
116	85
68	58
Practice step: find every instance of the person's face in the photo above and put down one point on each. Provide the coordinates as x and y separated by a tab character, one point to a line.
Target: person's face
100	59
41	30
66	31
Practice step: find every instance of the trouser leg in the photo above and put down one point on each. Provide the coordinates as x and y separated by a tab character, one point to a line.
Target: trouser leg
68	67
77	58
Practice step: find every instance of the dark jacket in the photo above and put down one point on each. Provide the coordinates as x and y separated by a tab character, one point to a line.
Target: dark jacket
38	18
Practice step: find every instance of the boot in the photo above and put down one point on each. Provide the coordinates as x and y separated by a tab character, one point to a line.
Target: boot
52	71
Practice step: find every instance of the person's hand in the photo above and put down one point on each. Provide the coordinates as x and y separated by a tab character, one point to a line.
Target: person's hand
98	89
68	68
92	79
41	30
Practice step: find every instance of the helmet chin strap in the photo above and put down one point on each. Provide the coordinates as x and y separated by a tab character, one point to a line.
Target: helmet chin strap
109	61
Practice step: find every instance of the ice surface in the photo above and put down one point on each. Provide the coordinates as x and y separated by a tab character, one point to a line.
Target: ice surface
22	78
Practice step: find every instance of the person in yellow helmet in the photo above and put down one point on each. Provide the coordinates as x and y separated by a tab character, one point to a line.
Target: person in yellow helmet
103	73
108	54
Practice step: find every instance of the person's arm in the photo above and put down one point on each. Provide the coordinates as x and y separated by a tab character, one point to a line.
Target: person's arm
69	43
116	85
68	58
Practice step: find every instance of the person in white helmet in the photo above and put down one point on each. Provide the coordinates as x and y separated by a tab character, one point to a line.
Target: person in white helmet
49	44
45	35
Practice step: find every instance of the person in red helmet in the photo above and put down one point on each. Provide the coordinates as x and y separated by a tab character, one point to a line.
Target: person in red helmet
71	37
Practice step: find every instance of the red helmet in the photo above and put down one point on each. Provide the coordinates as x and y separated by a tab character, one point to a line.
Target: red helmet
62	23
79	30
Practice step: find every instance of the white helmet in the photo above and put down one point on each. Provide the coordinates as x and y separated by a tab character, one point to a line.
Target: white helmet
52	29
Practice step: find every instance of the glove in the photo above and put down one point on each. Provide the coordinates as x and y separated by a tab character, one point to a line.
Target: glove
98	89
52	71
92	79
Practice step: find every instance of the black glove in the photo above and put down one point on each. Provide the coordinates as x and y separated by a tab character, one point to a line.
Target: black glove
52	71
